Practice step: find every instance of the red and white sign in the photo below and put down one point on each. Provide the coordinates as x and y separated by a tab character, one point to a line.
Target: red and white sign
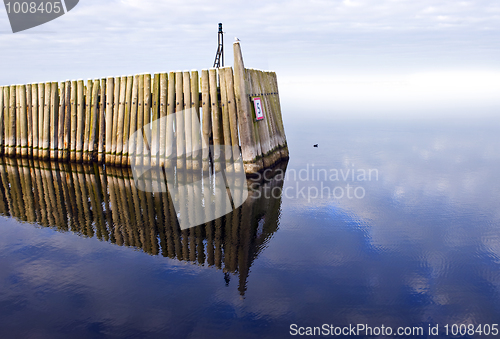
259	110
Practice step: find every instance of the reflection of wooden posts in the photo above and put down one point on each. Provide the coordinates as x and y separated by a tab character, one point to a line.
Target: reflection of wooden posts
61	210
110	87
128	237
115	212
168	223
67	195
137	213
4	188
105	198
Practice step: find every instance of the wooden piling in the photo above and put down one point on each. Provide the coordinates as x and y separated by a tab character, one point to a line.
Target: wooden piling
2	118
179	116
52	137
207	118
226	128
218	137
41	114
126	121
196	122
88	119
233	119
18	120
23	122
133	123
250	152
80	121
34	117
140	122
62	121
261	125
101	155
67	122
46	122
29	121
116	109
73	120
171	143
146	150
109	118
94	123
163	117
11	151
155	105
120	121
188	135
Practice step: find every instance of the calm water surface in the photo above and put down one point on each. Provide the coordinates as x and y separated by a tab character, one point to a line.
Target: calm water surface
385	223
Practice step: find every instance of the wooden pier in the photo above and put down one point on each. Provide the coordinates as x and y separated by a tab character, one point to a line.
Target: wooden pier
97	121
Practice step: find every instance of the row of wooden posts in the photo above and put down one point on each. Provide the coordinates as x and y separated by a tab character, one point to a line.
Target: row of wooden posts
105	202
178	114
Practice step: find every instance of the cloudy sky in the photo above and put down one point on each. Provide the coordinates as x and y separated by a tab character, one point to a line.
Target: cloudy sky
342	58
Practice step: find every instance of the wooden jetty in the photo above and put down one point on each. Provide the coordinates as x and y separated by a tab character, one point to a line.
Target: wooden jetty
96	121
104	202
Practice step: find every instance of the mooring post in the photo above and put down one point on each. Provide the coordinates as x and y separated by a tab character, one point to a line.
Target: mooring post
252	157
61	122
171	143
207	124
101	155
29	121
109	118
80	121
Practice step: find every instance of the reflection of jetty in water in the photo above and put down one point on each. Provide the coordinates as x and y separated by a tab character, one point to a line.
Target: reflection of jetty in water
105	203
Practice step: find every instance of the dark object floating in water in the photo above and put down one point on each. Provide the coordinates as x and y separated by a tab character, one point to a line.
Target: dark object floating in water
315	145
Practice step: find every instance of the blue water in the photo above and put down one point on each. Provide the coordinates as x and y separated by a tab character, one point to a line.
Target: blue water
414	245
